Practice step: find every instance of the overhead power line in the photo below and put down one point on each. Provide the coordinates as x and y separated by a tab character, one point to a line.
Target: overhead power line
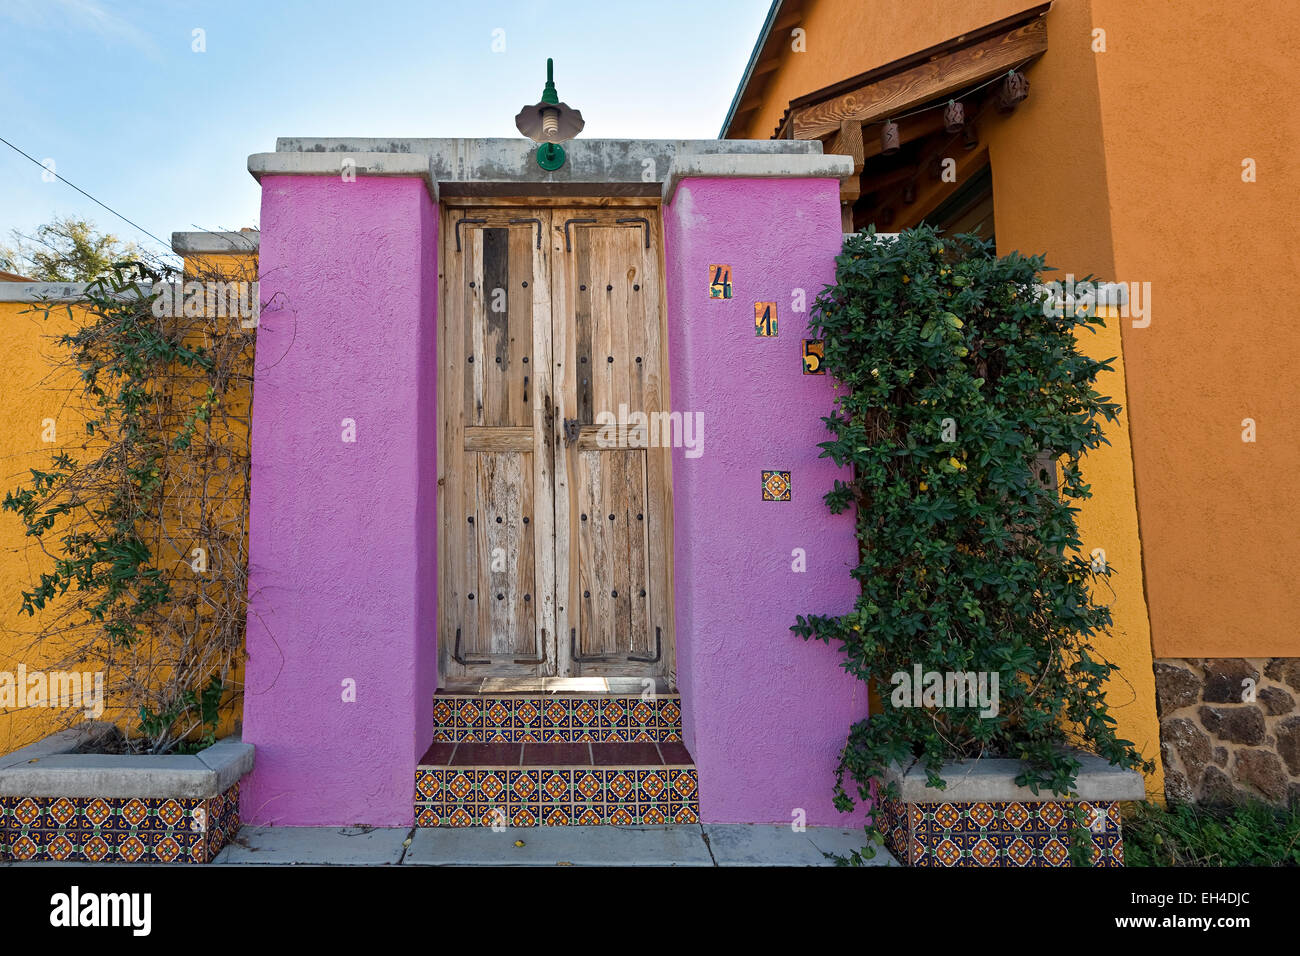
165	245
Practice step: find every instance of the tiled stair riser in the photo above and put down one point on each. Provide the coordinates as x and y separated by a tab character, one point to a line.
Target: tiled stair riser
998	834
547	719
555	796
125	830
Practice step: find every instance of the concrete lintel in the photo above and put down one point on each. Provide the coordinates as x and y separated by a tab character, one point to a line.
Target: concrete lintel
815	166
508	166
215	243
181	776
336	164
994	779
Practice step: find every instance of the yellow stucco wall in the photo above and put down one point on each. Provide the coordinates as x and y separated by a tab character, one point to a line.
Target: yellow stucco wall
28	397
30	394
1050	193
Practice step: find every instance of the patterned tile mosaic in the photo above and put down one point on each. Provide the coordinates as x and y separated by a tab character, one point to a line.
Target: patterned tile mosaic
585	795
544	719
128	829
1000	834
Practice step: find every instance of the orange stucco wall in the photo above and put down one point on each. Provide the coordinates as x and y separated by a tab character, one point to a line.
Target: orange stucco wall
1184	100
846	37
1048	160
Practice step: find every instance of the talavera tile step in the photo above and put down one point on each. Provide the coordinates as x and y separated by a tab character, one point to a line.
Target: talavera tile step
557	783
547	718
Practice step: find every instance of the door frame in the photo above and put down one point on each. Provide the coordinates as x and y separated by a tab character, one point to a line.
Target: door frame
549	410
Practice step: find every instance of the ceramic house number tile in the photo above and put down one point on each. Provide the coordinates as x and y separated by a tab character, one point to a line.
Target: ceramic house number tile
719	282
814	355
776	486
765	319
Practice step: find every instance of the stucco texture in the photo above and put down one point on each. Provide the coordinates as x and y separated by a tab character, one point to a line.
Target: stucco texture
29	394
764	714
342	534
1052	191
1184	100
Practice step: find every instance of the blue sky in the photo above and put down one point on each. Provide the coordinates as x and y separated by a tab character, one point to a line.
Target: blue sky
114	93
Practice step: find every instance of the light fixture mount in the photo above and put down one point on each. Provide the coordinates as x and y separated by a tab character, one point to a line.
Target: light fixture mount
549	123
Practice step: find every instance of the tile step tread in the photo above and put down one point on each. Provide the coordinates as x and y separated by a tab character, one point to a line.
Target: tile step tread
608	756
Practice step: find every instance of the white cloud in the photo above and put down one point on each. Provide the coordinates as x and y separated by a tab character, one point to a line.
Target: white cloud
90	16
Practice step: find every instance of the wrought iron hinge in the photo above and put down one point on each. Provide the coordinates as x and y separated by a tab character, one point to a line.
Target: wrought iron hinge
455	654
515	222
568	243
659	650
640	220
461	222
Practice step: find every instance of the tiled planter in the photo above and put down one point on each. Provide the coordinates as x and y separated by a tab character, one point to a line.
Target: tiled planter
60	805
982	818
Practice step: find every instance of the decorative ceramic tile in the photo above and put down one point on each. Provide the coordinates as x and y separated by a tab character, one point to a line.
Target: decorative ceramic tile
814	357
719	282
765	320
547	719
560	796
128	829
776	486
998	833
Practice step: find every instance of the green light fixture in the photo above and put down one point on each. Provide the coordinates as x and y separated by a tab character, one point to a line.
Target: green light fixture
549	123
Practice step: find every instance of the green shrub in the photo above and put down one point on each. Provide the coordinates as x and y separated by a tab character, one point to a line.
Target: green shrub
954	382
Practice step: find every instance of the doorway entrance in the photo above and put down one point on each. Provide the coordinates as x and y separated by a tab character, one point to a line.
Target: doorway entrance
555	513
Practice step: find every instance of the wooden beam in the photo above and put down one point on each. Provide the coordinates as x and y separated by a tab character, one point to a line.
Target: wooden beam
928	81
848	142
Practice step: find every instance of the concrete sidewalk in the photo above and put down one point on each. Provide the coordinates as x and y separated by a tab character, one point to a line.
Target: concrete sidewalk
677	845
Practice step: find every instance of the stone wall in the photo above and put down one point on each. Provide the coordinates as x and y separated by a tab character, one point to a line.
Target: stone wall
1230	728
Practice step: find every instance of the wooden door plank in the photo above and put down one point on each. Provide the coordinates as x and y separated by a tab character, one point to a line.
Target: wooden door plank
618	629
495	294
563	365
603	318
659	462
449	448
475	635
584	301
588	557
519	322
474	318
638	584
624	264
506	438
540	409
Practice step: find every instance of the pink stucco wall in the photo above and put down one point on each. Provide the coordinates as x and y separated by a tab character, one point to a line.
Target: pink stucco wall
764	714
342	536
343	543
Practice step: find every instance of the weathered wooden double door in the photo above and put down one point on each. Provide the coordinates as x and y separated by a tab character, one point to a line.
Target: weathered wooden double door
555	534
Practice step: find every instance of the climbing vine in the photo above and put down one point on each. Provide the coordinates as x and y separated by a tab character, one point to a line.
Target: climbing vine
961	399
143	518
